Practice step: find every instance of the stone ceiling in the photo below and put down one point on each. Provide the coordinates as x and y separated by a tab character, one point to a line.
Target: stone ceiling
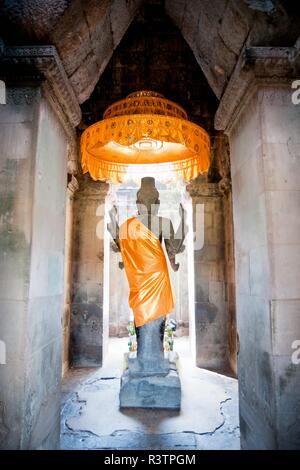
153	55
86	32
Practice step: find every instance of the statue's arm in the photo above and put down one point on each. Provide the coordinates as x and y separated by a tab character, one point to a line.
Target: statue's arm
168	236
113	228
174	241
181	232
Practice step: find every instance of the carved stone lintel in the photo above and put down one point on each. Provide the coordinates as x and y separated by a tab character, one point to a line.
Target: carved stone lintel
199	189
68	128
225	186
42	64
92	189
273	64
22	96
73	186
72	166
45	59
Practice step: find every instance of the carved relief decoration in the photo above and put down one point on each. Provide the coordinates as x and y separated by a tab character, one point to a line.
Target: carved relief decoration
45	59
272	64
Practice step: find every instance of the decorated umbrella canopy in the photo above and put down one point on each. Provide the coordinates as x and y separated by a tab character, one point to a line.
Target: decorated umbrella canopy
144	133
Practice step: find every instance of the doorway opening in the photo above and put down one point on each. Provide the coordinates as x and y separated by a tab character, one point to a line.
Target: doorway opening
117	314
91	417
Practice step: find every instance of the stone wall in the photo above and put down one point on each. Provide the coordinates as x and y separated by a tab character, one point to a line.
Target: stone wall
265	149
217	31
153	56
87	287
32	203
211	304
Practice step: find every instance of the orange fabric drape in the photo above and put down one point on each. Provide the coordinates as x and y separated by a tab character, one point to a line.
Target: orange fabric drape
151	293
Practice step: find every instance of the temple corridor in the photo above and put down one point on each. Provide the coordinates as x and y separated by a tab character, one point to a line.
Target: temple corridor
219	82
91	418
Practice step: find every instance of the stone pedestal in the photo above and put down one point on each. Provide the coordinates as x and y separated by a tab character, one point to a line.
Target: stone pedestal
150	380
150	391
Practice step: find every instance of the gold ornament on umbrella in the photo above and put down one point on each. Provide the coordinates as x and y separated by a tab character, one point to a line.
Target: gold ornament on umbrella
145	133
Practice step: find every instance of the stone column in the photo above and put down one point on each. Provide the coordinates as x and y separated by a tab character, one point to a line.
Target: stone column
33	174
225	188
71	190
34	139
88	268
262	122
211	319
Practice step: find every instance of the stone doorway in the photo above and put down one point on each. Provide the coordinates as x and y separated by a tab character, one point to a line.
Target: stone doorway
206	346
116	311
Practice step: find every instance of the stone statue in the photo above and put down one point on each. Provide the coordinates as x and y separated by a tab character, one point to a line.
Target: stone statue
151	298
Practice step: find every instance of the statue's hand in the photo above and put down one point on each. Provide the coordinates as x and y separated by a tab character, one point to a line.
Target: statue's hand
113	226
113	214
183	215
114	247
175	266
182	212
181	249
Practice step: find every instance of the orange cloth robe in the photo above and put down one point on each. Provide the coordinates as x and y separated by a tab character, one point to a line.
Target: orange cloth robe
151	294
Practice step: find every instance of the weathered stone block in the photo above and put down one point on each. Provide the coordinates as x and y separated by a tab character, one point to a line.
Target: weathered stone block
281	171
246	138
242	270
279	116
288	406
156	391
94	292
209	253
201	290
86	335
217	271
208	220
205	312
282	207
285	325
248	234
217	294
234	27
259	271
286	271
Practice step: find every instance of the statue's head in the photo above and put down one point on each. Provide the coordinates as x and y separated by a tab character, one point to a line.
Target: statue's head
147	196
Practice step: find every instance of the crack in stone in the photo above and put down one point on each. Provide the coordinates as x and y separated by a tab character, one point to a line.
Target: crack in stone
80	431
99	379
226	46
117	432
211	433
